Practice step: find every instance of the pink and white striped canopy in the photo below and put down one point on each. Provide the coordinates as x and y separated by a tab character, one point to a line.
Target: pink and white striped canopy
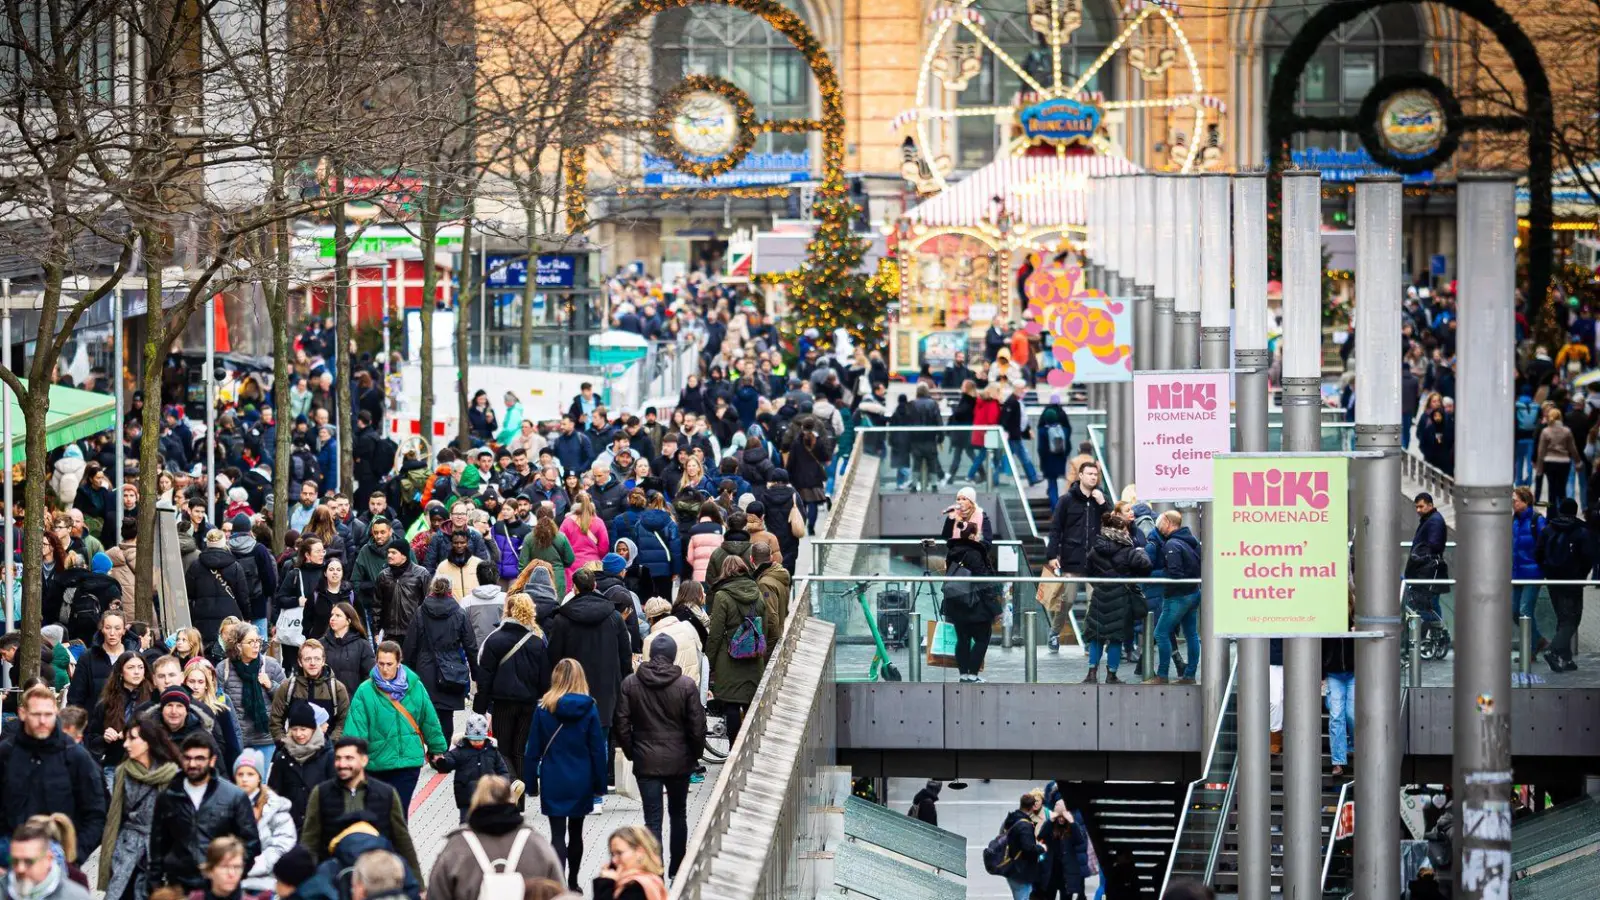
1038	191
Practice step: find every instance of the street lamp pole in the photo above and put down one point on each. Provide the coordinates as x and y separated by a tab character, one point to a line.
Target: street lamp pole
211	413
1215	303
1186	280
116	379
1163	249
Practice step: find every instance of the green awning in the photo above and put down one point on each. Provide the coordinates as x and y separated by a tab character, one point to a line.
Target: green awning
73	415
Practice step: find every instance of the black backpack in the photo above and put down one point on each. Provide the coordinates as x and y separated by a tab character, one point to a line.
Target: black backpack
384	451
81	608
1562	553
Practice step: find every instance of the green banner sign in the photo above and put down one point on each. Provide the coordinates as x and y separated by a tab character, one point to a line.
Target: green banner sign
1279	555
326	247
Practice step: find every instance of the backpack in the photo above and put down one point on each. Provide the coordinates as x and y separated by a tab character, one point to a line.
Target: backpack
384	450
997	858
1527	414
749	640
501	880
1056	438
81	611
1563	554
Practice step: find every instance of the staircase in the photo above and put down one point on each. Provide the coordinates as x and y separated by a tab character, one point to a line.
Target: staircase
1137	818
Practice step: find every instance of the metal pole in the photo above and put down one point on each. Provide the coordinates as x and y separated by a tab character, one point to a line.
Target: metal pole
1524	647
1302	430
116	377
1377	518
1254	795
1141	237
1147	646
1166	269
914	649
5	426
1414	658
1030	646
1216	275
1186	283
211	410
1486	230
386	325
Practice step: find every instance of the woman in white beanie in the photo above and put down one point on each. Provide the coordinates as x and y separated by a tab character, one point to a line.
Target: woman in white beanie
274	818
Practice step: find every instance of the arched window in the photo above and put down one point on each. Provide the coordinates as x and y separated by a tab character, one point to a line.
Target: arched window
1349	62
998	84
717	40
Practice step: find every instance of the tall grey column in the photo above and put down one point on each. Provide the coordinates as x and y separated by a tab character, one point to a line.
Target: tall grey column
1166	267
1147	339
1377	550
1254	795
1216	247
1302	430
1486	229
1186	281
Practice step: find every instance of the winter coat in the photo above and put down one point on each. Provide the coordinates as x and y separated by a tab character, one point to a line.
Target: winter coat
755	463
350	657
369	563
1021	843
656	536
704	538
327	692
587	547
439	548
567	754
808	466
124	562
1431	533
779	499
456	874
1074	527
1526	529
52	775
1113	608
523	677
1053	465
759	534
924	806
985	412
217	590
1066	857
294	779
661	724
400	593
67	476
1567	530
470	764
108	753
732	599
302	579
257	563
89	678
319	606
54	607
609	500
509	541
969	603
691	647
439	638
122	864
484	605
232	682
277	831
542	590
558	554
181	833
589	629
462	574
1180	554
394	743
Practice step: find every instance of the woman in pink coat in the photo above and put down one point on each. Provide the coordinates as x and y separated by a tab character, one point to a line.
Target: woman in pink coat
704	538
586	532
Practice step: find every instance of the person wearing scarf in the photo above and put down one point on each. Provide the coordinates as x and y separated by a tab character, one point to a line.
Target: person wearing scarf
303	759
247	677
392	713
634	872
140	778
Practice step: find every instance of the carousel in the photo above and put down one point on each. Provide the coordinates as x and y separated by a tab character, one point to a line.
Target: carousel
971	251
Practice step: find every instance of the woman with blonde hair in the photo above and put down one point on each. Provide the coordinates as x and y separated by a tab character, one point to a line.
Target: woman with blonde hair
200	677
513	667
634	872
188	644
567	756
63	837
585	531
274	819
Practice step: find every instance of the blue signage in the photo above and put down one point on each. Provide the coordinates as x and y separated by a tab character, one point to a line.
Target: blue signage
755	170
1060	120
512	271
1436	264
1348	165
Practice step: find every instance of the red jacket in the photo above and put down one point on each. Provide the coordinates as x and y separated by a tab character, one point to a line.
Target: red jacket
984	412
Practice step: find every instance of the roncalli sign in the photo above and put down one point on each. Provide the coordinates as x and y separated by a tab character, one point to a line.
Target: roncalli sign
1180	421
1279	553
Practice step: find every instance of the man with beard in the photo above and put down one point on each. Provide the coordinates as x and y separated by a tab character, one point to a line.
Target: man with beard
371	560
44	771
192	812
313	683
351	794
34	873
401	586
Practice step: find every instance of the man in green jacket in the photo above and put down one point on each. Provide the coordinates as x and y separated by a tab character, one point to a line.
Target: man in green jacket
370	562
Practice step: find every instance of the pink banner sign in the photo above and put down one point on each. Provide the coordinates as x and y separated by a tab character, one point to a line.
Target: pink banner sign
1180	420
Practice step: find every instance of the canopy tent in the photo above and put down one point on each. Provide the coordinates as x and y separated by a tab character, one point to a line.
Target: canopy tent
1570	198
74	415
1039	191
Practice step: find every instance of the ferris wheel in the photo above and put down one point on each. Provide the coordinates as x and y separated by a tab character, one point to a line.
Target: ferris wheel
1055	107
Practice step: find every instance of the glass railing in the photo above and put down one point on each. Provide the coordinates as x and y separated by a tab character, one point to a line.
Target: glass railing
939	458
1336	436
890	624
1428	606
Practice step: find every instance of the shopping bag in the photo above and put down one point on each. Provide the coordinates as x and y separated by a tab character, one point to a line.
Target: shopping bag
291	626
941	644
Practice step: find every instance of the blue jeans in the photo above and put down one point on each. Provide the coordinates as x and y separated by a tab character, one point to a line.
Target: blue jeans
978	457
1020	890
1175	611
1019	449
404	781
1341	715
1113	654
1523	468
1525	599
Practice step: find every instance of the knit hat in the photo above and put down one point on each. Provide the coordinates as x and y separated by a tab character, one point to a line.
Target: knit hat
655	608
53	634
477	727
175	694
295	867
241	524
613	564
969	493
252	758
755	508
238	495
664	647
320	714
300	715
778	475
100	564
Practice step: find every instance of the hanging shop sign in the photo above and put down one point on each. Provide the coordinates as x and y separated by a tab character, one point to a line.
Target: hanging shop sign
1411	122
1180	421
1279	554
755	169
1060	121
1348	165
554	271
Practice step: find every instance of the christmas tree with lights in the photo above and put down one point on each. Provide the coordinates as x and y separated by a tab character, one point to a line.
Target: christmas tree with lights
830	291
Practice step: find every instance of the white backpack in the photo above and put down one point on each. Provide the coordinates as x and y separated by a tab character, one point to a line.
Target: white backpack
501	880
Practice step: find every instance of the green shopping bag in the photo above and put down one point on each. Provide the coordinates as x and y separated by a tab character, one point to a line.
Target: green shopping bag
941	644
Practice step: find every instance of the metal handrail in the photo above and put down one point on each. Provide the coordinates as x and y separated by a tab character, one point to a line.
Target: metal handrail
1097	438
1005	447
1188	797
1222	825
1327	858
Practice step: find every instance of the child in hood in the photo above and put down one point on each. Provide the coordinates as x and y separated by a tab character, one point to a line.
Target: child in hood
473	757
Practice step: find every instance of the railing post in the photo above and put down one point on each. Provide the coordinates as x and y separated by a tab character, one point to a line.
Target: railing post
1030	646
1414	649
1148	651
914	648
1525	645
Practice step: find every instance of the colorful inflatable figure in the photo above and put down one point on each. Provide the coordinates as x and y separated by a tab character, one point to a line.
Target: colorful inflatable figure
1072	318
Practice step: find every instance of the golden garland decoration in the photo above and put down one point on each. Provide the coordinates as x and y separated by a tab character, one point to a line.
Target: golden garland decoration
667	145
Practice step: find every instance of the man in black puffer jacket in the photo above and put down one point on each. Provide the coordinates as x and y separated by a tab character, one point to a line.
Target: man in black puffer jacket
217	587
661	726
181	831
43	771
1074	527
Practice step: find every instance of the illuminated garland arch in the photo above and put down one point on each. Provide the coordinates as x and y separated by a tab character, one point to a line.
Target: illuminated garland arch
1283	122
782	20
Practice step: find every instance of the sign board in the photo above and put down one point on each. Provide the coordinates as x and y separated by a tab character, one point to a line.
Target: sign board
1180	421
555	271
1279	554
1347	165
1436	264
755	170
1060	121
